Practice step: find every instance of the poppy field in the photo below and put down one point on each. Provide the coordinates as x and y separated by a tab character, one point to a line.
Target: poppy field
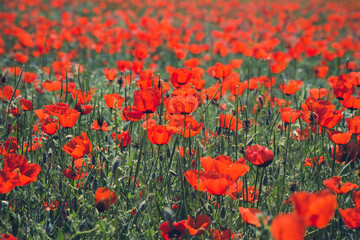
164	119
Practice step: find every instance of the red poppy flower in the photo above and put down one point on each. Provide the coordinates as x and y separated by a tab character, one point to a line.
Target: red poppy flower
288	114
343	90
317	209
112	99
56	109
250	216
68	118
9	146
351	103
26	105
160	135
77	171
259	155
123	139
182	105
224	165
180	77
147	100
110	73
220	71
131	113
6	93
50	126
96	126
353	125
250	195
173	231
29	77
351	217
288	226
339	137
78	146
300	135
312	161
193	177
8	181
292	87
356	198
223	234
51	86
229	121
8	237
104	198
17	164
199	226
123	65
82	97
321	71
216	183
335	184
51	206
318	93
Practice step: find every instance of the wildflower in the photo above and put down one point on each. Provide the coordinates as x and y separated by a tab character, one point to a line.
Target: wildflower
104	198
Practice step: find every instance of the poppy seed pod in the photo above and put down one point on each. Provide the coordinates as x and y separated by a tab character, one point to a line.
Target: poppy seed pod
259	155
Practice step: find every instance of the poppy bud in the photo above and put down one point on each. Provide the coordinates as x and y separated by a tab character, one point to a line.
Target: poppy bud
142	206
173	173
168	153
169	216
265	181
50	153
161	158
267	122
269	112
293	187
48	227
95	184
261	101
116	164
153	176
3	79
44	158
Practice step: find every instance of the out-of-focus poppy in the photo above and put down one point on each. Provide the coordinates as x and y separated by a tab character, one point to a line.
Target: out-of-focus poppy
220	70
351	217
49	125
123	65
123	139
77	171
291	87
160	135
356	198
147	100
82	97
51	86
229	121
321	71
78	146
104	198
353	125
180	77
183	105
351	103
83	109
222	234
251	216
288	114
26	105
17	164
192	127
313	161
193	177
110	73
335	184
259	155
173	231
6	93
300	135
112	99
343	90
29	77
317	209
8	236
216	183
318	93
56	109
250	194
199	225
339	137
288	226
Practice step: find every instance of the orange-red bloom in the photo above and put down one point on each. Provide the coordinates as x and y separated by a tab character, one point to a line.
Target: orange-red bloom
96	126
112	99
131	113
6	93
173	231
353	125
78	146
68	118
160	135
104	198
123	139
220	71
288	114
182	105
250	216
222	234
288	226
317	209
259	155
339	137
110	73
18	165
318	93
199	226
335	184
9	146
26	105
292	87
49	125
147	100
8	181
229	121
180	77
